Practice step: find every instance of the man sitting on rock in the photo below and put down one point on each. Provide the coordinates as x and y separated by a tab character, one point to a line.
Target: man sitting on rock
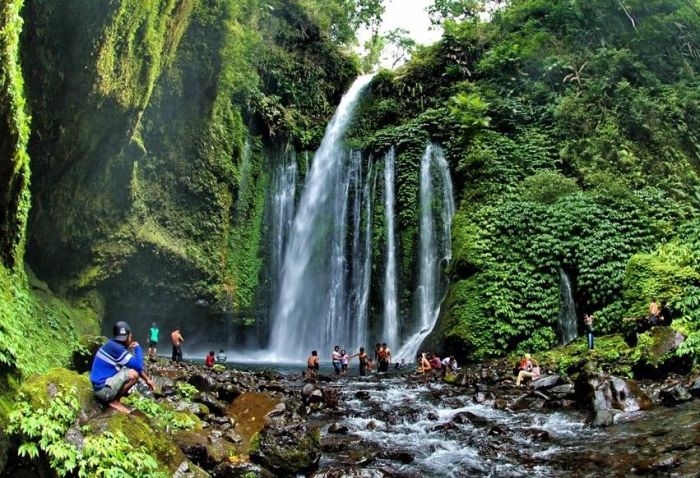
117	367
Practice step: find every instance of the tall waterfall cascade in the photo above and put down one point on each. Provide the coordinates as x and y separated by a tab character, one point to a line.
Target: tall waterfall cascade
567	309
391	322
311	308
435	249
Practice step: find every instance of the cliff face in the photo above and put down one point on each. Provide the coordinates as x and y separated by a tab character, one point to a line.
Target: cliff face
151	122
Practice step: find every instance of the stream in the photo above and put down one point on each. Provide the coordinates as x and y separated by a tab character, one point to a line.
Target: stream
397	426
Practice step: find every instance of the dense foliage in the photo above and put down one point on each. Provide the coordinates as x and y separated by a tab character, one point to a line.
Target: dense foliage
571	131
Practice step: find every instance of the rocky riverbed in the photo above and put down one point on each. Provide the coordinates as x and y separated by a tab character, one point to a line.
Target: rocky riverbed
474	423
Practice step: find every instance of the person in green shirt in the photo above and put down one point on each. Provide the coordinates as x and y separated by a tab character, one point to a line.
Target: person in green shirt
153	341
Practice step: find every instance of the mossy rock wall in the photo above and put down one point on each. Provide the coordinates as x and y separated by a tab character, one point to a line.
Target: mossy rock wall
152	122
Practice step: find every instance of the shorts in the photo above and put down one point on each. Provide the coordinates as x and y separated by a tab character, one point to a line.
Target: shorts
152	344
113	385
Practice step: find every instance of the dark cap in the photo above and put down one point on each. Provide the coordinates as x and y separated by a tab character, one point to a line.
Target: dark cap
121	331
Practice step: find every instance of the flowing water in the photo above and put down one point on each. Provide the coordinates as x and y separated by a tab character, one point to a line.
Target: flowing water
567	309
399	427
391	321
310	312
435	246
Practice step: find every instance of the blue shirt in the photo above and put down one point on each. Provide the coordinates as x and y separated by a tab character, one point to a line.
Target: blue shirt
112	357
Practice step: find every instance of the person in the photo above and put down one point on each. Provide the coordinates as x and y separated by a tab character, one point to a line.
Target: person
312	364
588	326
423	363
654	312
364	361
221	356
399	365
117	367
435	362
210	360
376	352
383	358
449	365
387	354
666	316
335	359
344	360
531	371
153	341
177	340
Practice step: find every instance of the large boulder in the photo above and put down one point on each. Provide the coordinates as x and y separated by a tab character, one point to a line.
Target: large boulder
286	450
674	395
606	395
656	352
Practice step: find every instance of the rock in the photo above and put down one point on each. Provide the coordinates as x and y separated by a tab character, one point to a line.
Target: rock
469	417
674	395
335	428
331	397
240	470
316	396
538	435
600	392
362	395
546	382
203	382
694	388
372	425
189	470
233	437
562	391
401	456
228	392
604	417
215	405
286	450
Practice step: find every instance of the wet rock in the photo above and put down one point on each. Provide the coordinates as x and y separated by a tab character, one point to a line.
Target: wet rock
372	425
203	382
657	465
189	470
362	395
286	450
604	417
75	437
341	472
674	395
402	456
337	442
694	388
331	397
600	392
316	396
233	437
469	417
561	391
433	417
546	382
538	435
307	389
193	445
240	470
214	405
228	392
335	428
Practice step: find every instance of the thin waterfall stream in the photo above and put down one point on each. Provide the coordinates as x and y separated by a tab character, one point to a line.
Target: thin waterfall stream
391	321
435	246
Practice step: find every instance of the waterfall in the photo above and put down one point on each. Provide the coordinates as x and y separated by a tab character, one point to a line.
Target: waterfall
390	330
435	246
567	309
360	270
281	206
310	310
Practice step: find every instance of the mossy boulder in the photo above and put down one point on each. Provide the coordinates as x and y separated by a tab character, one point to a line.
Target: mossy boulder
655	353
140	433
40	390
286	450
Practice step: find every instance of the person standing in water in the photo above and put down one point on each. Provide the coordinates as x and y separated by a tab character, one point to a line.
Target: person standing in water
364	359
177	339
335	359
654	312
153	341
312	364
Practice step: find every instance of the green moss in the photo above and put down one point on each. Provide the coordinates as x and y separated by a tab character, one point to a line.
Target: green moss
611	354
14	136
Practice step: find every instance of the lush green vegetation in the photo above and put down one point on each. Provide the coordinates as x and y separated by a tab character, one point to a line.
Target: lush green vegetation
571	131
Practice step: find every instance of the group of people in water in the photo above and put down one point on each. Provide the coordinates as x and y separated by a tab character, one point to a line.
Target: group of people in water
340	360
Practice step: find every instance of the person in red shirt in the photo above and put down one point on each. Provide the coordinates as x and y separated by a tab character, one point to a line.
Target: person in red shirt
210	360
